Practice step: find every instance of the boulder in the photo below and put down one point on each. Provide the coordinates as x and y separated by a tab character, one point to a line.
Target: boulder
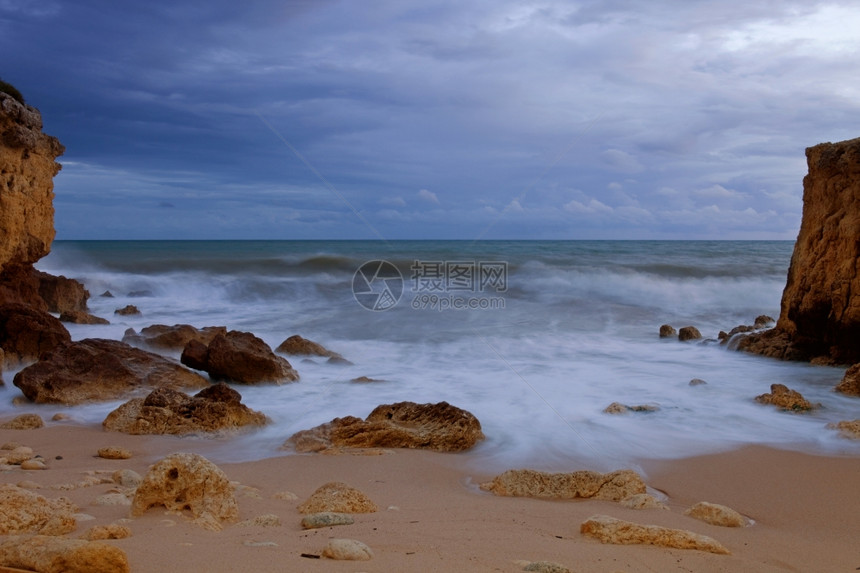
127	310
168	411
95	369
440	427
195	355
24	422
47	554
22	511
667	331
689	333
785	398
613	486
337	497
242	358
847	428
81	317
850	383
188	482
62	294
611	530
174	337
27	333
295	345
820	308
347	550
717	514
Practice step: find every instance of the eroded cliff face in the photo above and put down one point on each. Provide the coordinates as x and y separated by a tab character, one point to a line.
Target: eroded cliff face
820	311
27	169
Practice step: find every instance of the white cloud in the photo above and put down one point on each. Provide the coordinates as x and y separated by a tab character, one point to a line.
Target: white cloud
428	196
591	207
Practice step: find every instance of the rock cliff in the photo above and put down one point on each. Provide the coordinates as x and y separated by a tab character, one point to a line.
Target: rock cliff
820	311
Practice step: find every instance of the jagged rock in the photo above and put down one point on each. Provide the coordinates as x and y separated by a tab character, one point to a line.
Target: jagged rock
667	331
241	357
763	320
326	519
171	337
27	169
847	428
27	333
295	345
347	550
188	482
785	398
642	501
820	309
95	369
689	333
107	294
61	294
60	555
22	511
167	411
81	317
337	497
717	514
850	383
114	453
619	408
195	355
127	310
613	486
112	531
24	422
611	530
439	427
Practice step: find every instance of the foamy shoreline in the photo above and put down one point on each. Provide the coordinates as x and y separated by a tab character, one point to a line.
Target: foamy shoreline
433	517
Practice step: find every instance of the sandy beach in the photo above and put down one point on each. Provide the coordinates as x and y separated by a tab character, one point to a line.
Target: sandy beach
433	517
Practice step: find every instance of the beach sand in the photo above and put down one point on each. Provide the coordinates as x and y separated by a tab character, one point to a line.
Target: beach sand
433	517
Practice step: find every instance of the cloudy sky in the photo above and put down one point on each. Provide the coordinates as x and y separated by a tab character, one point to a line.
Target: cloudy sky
305	119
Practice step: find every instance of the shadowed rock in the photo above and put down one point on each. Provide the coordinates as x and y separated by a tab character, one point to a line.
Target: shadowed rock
295	345
188	482
441	427
171	337
81	317
27	333
239	357
667	331
850	383
167	411
611	530
689	333
95	369
613	486
785	398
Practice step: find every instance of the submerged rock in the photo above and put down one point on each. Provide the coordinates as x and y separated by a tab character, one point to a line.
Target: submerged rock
847	429
619	408
81	317
439	427
167	411
667	331
689	333
613	486
611	530
296	345
127	310
850	383
785	398
96	369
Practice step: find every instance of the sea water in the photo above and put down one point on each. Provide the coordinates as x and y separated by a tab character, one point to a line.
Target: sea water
546	335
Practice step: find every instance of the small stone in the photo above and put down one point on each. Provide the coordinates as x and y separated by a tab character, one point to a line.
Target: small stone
689	333
267	520
697	382
326	519
847	429
19	455
114	453
619	408
546	567
36	464
112	531
107	294
717	514
642	501
127	310
127	478
667	331
339	498
110	499
260	544
347	550
24	422
365	379
763	320
285	496
60	417
27	484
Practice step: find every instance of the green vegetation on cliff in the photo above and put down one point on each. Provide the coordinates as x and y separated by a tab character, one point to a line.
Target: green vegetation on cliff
11	90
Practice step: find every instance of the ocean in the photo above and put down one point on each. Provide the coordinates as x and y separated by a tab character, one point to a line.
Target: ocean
535	338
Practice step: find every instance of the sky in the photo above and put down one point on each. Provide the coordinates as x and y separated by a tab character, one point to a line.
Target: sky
460	119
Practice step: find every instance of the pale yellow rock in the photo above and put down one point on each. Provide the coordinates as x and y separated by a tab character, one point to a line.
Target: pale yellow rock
112	531
23	511
338	497
114	453
546	567
48	554
10	446
347	550
616	531
188	482
126	478
285	496
642	501
266	520
847	429
19	455
612	486
24	422
34	464
717	514
109	499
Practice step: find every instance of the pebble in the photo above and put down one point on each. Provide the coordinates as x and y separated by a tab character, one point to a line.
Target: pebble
37	464
112	499
114	453
326	519
347	550
126	478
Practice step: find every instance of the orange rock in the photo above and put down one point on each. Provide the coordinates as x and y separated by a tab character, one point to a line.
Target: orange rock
338	497
611	530
613	486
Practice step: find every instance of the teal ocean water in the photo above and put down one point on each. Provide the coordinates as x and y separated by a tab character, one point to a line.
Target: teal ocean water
535	338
